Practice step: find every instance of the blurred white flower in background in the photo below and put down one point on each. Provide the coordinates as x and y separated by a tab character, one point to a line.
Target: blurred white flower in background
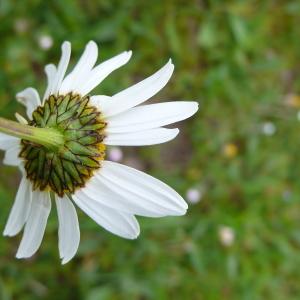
268	128
226	236
115	154
21	25
45	42
287	195
193	195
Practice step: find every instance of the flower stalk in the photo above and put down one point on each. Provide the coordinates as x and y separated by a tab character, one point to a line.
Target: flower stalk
48	137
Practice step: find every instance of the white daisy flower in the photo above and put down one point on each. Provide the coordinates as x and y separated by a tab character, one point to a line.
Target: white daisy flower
61	152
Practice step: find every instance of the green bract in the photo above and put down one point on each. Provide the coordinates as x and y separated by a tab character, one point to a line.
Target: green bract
64	168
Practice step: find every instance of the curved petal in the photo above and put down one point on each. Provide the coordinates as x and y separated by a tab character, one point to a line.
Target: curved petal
138	93
82	69
99	73
62	68
21	119
35	225
151	116
11	157
20	210
68	232
50	71
98	100
141	138
30	99
119	223
8	141
131	191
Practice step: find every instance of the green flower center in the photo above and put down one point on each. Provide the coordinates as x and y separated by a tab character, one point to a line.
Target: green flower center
68	167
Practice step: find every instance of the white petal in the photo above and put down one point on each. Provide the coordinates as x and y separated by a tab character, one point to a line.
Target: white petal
30	99
68	232
20	210
119	223
138	93
21	119
151	116
12	148
98	74
50	71
62	67
126	189
98	100
35	225
141	138
11	157
81	71
117	196
8	141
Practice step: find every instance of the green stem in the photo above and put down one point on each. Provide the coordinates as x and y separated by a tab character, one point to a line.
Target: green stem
47	137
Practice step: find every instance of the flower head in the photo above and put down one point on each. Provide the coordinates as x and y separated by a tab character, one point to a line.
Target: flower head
71	166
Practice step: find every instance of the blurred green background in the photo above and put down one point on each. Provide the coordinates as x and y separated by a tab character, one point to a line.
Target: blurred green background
237	160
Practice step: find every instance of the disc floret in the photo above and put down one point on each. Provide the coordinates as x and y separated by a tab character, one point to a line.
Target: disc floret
68	166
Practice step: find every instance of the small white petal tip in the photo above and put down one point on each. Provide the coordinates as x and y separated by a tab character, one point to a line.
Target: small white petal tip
170	64
7	233
174	133
179	208
21	255
20	119
128	55
181	212
66	45
134	237
194	107
66	260
91	43
50	68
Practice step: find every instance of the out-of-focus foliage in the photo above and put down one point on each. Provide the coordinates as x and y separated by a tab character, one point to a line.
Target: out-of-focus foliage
240	60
